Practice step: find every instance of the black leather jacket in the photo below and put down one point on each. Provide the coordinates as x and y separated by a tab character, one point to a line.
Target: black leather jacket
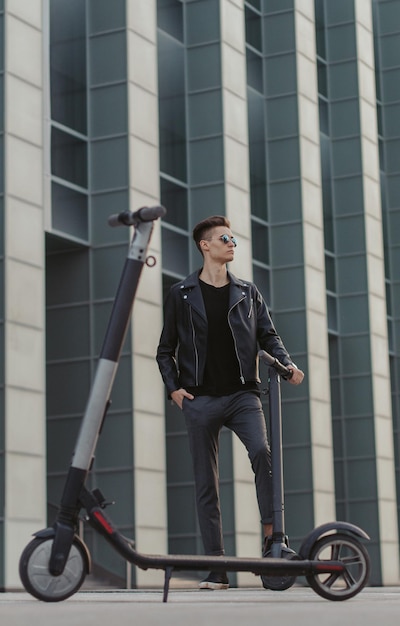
181	353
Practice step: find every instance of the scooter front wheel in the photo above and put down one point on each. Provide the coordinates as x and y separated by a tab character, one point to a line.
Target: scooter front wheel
353	555
35	575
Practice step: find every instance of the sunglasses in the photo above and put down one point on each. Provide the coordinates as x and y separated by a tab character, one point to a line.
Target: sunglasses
227	239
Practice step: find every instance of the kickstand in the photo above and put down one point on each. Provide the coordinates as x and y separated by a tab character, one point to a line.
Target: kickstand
168	573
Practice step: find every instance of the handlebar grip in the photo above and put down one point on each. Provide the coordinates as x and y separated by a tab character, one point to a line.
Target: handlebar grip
130	218
273	362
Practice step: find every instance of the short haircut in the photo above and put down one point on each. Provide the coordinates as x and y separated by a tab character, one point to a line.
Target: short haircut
202	229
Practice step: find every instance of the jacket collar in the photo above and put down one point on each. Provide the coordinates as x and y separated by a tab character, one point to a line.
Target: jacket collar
191	287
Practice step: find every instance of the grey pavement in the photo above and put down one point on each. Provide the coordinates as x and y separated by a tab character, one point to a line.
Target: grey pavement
298	606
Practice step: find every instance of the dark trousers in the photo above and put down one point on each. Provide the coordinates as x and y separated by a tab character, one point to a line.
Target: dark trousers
242	413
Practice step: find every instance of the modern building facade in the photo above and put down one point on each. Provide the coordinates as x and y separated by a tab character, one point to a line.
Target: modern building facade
284	115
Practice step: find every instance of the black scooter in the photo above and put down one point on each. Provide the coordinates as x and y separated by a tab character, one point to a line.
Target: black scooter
54	564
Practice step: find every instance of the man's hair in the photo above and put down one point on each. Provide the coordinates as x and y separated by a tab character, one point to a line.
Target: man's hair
202	229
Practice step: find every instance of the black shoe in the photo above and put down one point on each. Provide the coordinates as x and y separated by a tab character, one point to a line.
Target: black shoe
215	581
267	546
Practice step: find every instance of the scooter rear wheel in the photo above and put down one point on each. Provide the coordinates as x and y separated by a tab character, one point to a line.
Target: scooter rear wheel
35	575
353	554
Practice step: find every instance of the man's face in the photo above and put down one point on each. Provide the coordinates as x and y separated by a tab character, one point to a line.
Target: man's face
220	244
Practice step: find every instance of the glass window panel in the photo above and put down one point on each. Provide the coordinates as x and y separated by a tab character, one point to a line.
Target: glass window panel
341	43
114	448
69	211
204	67
202	21
109	163
287	244
253	29
352	274
105	15
107	268
361	479
205	113
345	118
170	17
262	278
108	110
279	33
393	191
67	387
339	11
255	3
202	198
68	63
73	341
348	195
330	273
182	498
67	276
283	159
271	6
257	154
346	157
391	85
108	58
254	68
392	154
390	46
281	74
288	288
174	199
172	118
206	163
323	111
68	157
175	252
102	206
322	78
343	80
334	366
332	313
260	242
284	201
391	122
389	16
282	117
353	314
350	235
336	397
355	353
320	28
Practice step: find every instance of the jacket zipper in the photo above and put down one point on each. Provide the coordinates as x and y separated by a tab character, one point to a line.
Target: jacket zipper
242	380
251	308
196	354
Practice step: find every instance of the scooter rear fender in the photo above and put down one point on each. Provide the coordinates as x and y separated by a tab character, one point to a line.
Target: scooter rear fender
328	529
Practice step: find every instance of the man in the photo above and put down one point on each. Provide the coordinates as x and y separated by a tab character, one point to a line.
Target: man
214	325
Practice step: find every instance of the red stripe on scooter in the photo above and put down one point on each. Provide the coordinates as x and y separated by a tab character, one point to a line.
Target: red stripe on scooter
332	568
107	527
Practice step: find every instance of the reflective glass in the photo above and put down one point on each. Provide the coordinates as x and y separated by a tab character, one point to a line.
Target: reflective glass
68	157
68	63
172	117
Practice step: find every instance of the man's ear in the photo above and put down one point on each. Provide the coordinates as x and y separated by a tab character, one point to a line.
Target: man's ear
204	245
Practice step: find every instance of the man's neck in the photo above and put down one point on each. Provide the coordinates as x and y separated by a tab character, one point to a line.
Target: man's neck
215	275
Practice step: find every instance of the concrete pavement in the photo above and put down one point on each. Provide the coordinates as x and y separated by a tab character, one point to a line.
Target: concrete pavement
298	606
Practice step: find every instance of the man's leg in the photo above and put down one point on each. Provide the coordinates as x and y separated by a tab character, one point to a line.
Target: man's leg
204	423
247	421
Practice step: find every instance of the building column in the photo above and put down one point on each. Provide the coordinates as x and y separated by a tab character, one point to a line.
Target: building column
148	388
318	380
24	349
237	209
380	374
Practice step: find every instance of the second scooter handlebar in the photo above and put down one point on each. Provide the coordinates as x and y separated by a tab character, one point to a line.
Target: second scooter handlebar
273	362
130	218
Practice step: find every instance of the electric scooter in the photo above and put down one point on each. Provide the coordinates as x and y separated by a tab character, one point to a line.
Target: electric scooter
55	563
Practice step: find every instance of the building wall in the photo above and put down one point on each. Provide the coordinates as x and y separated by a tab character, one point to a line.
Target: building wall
282	116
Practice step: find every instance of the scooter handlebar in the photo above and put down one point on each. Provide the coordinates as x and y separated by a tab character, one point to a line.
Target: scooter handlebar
130	218
273	362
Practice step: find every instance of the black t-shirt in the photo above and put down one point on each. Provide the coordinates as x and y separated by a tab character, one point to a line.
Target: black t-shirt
222	372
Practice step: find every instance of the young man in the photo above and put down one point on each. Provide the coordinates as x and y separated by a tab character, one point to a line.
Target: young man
214	325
